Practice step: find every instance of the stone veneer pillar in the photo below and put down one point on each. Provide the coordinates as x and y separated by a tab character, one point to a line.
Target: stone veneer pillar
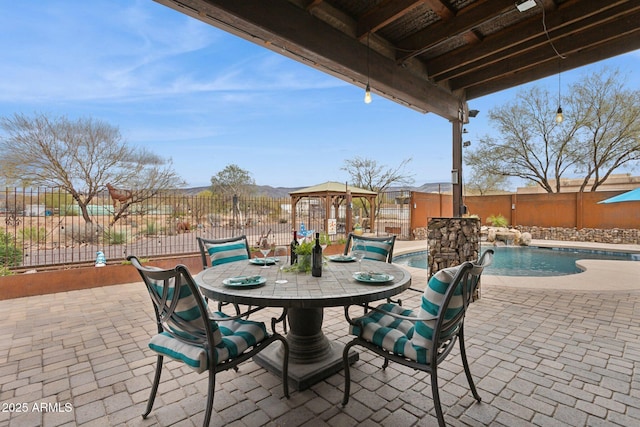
451	242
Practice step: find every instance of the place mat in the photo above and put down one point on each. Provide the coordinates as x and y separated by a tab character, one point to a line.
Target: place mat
244	281
341	258
261	261
372	277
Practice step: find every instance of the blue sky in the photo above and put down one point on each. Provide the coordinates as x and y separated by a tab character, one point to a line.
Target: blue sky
207	99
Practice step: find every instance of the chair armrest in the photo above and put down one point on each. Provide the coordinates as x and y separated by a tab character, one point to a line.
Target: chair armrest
395	315
400	316
237	316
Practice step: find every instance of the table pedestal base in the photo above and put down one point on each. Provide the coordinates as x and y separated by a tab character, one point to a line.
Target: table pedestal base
312	357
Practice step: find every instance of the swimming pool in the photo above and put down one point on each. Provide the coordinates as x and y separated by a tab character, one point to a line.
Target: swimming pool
528	260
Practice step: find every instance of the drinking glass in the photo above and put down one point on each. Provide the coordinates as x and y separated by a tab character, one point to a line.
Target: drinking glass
324	242
358	254
265	248
281	254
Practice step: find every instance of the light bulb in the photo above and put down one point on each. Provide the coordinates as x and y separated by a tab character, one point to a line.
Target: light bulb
559	116
367	95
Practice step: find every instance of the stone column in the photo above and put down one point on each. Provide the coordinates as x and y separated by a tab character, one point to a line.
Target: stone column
452	241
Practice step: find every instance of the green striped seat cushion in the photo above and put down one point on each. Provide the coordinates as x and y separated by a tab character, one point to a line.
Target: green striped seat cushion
377	251
221	253
237	337
409	339
394	335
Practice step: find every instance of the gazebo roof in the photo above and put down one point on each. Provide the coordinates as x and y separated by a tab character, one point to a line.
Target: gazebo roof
332	187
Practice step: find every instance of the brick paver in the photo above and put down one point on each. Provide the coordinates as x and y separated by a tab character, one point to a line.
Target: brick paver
539	357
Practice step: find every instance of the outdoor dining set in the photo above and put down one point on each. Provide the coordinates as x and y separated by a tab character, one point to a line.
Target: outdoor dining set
210	323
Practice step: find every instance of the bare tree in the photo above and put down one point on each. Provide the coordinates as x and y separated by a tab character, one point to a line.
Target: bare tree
599	134
483	183
368	174
610	136
80	157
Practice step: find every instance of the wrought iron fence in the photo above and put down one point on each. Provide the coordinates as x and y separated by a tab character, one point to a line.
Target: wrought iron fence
45	227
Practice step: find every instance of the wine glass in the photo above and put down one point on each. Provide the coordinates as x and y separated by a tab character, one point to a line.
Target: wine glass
281	254
265	248
358	254
324	241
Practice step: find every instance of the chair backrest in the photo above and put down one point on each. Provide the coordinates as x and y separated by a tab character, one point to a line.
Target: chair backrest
221	251
447	297
375	248
179	307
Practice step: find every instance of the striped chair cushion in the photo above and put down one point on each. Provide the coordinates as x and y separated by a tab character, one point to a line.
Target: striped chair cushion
221	253
377	251
188	321
394	335
431	301
237	337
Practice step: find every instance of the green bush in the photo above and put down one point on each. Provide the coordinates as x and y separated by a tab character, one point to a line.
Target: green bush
10	255
151	229
497	221
115	238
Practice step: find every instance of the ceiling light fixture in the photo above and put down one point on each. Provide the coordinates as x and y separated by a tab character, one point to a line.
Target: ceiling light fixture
524	5
559	116
367	91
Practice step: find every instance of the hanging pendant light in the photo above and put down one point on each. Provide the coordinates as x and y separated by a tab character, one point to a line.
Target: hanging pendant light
367	91
559	116
367	94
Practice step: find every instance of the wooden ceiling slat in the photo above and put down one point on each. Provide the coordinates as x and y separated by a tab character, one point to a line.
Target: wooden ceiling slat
520	36
467	19
384	13
566	46
483	46
592	54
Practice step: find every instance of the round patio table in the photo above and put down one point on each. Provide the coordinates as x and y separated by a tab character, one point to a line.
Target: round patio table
312	356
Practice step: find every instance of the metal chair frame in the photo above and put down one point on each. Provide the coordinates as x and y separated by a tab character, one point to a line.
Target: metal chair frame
468	273
168	321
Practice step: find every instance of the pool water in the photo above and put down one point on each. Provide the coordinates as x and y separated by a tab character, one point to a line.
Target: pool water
528	260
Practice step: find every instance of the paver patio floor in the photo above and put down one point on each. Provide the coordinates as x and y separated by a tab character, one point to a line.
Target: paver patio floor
542	357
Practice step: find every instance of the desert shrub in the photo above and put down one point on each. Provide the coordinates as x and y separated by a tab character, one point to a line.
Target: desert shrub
33	234
497	221
115	237
10	254
151	229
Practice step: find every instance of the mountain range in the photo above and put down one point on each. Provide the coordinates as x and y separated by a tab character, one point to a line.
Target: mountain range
282	192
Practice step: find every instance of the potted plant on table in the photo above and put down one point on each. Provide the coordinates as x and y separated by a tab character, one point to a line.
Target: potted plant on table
303	251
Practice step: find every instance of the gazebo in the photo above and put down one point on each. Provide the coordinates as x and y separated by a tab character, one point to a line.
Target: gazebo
334	194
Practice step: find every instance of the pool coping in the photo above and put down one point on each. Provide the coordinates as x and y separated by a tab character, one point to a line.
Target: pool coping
598	275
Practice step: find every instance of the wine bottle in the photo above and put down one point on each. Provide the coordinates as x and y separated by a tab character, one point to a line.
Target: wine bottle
293	247
316	258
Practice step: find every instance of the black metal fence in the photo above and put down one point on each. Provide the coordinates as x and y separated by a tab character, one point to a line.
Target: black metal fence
45	227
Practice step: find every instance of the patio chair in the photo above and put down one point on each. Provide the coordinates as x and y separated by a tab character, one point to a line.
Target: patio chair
376	248
188	332
421	341
220	251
